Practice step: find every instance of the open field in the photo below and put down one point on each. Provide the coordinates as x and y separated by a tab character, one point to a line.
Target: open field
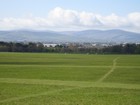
69	79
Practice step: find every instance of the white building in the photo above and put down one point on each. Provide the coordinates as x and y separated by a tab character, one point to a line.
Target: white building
50	45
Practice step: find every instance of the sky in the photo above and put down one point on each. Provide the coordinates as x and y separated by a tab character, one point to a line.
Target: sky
65	15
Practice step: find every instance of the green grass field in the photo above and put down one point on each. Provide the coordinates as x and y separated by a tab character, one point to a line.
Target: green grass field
69	79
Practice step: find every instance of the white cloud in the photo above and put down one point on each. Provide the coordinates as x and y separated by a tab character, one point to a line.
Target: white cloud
59	18
88	19
113	21
134	19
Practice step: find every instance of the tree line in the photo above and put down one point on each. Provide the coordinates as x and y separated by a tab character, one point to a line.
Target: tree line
39	47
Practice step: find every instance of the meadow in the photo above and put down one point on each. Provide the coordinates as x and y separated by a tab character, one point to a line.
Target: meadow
69	79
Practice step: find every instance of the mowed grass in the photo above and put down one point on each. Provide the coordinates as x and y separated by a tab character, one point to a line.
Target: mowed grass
69	79
54	59
12	90
82	96
52	73
125	75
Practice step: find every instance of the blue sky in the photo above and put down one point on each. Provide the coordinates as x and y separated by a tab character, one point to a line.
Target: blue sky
96	12
18	8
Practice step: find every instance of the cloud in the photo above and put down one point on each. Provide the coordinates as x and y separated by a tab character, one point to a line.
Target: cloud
64	19
134	19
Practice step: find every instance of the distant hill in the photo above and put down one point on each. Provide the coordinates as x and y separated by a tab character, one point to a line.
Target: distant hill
70	36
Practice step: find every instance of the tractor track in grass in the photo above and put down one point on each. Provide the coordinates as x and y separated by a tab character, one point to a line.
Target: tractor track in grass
72	84
110	71
66	66
55	66
69	83
35	95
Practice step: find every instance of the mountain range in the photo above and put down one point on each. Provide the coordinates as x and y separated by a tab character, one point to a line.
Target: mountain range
70	36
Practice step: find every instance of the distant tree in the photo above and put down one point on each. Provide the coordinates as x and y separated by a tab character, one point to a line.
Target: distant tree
129	48
32	47
72	48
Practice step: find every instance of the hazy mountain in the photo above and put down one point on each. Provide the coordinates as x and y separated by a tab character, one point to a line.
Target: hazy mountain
70	36
106	36
34	36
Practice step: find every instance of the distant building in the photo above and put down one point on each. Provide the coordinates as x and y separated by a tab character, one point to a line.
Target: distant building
50	45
